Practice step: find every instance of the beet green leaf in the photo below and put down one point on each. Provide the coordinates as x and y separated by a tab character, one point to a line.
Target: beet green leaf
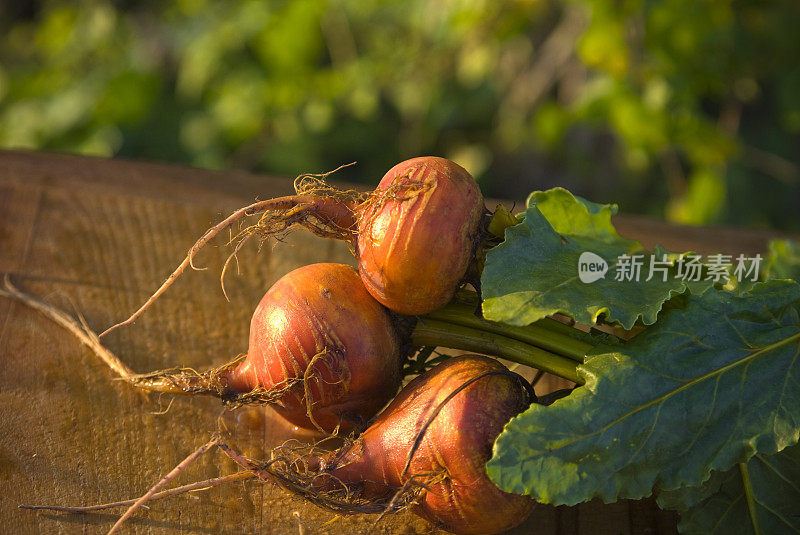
760	496
710	385
535	271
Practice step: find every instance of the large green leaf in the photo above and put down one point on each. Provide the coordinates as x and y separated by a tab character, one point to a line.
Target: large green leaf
708	386
760	496
534	272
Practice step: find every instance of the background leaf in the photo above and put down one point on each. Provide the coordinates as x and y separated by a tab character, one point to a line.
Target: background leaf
677	109
728	504
708	386
534	272
783	260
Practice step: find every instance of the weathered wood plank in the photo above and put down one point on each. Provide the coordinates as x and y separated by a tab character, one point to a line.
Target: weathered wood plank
99	236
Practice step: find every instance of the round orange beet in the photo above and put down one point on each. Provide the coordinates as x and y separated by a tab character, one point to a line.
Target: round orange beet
418	234
318	333
451	458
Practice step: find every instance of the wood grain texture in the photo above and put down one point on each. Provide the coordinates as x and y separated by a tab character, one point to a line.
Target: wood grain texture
97	237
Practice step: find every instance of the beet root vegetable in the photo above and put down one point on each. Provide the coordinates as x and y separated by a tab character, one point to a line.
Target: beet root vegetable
428	448
321	349
455	446
418	236
319	329
414	236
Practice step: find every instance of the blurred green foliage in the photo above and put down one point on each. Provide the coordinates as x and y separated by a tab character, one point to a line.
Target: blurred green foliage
688	109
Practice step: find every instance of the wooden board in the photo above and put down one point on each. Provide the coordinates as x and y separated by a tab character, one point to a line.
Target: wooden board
96	237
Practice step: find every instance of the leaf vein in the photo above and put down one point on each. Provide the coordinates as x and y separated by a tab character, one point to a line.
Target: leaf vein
660	399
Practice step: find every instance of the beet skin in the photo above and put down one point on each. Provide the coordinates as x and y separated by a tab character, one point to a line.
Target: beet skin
322	310
418	234
456	446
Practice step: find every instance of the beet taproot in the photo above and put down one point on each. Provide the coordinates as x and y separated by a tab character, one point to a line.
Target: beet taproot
414	236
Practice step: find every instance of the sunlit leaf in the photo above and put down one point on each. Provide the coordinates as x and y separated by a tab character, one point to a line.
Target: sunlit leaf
535	271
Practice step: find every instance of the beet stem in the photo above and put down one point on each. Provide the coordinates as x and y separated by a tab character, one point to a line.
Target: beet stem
540	334
432	332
